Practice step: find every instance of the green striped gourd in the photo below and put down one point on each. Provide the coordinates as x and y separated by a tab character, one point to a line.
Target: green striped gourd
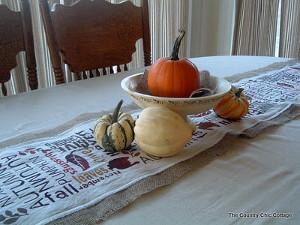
114	132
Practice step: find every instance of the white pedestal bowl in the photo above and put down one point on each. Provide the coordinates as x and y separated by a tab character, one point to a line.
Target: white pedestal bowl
183	106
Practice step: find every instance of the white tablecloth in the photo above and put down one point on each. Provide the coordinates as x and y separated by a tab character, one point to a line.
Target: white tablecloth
258	176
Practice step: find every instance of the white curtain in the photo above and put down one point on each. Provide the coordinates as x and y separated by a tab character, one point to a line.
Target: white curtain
256	27
290	29
166	17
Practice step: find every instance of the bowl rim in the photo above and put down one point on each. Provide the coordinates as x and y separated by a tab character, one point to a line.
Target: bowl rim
125	88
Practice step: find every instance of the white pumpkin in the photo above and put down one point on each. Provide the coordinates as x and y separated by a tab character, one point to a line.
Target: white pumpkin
161	132
114	131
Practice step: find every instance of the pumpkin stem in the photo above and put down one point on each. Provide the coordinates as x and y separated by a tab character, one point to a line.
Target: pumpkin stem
239	92
174	54
116	112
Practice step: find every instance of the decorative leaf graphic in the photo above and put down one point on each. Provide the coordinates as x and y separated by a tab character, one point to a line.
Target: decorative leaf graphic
13	217
11	220
120	163
22	210
2	218
46	150
8	213
78	161
207	125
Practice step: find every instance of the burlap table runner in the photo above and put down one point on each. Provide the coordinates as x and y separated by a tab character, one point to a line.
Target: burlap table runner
65	173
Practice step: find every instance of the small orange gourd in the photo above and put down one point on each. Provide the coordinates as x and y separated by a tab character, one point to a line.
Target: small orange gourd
173	77
233	106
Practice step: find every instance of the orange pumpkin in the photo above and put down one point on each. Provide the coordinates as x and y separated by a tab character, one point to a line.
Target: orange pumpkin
233	106
173	77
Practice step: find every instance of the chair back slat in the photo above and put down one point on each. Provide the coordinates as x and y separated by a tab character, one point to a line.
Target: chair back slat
77	76
104	71
118	68
97	73
84	75
91	74
59	75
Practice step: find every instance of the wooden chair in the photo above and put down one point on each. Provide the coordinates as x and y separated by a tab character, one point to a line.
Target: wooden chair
16	36
94	35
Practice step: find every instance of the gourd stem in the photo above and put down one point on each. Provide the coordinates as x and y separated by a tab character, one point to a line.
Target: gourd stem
239	92
174	54
116	112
